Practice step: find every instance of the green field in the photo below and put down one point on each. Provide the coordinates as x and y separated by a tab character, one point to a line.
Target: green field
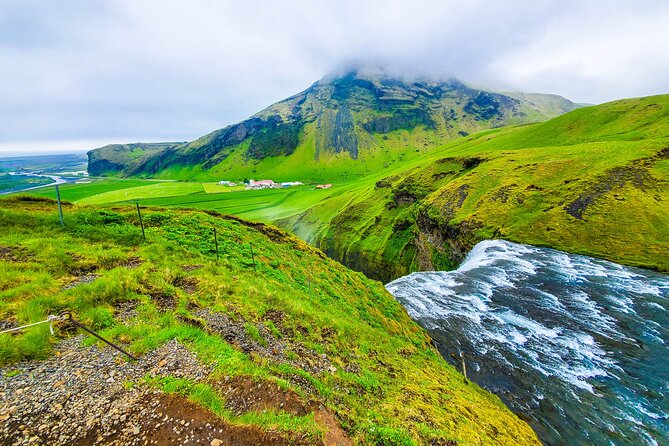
264	205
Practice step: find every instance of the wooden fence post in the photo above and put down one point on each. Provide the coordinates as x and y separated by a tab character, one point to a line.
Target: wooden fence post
216	243
464	367
139	214
60	207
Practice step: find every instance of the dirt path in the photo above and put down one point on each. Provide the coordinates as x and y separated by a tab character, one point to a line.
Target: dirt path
80	396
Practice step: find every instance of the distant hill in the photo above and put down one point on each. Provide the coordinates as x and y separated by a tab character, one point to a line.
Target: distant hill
112	159
341	127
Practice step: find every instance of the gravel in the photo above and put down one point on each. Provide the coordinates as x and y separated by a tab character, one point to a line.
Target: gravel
80	396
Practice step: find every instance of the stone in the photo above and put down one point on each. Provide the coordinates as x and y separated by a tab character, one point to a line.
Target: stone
216	442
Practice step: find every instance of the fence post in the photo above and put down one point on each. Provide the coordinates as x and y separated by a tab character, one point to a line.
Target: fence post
60	207
253	259
216	243
139	214
464	367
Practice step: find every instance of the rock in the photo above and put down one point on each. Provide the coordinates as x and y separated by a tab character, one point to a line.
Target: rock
216	442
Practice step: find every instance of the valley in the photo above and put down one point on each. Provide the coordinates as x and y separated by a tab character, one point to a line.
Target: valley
555	184
408	193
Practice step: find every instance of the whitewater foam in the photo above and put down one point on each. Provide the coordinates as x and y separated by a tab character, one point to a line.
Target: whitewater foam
543	325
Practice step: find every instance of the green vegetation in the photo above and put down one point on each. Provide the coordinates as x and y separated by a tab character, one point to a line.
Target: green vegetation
593	181
348	344
337	130
9	183
111	159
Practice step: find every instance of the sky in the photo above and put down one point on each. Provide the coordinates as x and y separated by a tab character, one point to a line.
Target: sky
79	74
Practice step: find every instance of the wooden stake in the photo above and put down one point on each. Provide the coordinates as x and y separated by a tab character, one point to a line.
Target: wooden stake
139	214
464	367
60	207
216	243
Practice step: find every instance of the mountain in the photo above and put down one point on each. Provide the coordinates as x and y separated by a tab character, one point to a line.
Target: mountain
287	347
114	158
593	181
343	127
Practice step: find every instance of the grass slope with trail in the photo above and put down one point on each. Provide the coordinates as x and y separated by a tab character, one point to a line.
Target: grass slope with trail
594	181
298	322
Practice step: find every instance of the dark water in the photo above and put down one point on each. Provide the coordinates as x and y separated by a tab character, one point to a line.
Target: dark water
576	344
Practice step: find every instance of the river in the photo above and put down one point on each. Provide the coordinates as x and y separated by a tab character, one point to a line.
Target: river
576	345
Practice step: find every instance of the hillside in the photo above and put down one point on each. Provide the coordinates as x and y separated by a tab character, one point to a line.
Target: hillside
593	181
114	158
285	347
344	127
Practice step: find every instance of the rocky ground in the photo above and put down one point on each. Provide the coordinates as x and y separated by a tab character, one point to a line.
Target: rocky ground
81	396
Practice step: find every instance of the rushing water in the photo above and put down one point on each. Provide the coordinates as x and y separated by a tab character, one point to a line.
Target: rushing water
575	344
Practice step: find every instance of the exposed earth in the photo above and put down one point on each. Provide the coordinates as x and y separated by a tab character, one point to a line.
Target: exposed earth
89	395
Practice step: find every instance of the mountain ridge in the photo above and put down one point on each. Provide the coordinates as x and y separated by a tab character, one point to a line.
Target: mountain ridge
377	120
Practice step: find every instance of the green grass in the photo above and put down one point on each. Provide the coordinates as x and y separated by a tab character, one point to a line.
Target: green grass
150	191
528	176
74	192
389	383
520	190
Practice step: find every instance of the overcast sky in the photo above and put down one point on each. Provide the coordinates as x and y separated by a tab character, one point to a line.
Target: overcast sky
77	74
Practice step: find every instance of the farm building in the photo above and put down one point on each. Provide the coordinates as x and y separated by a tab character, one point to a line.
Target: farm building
262	184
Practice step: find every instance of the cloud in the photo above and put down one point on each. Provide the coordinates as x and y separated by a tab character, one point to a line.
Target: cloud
174	70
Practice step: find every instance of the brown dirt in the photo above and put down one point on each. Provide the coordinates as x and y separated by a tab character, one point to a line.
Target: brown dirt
173	420
13	254
243	394
191	267
188	284
163	300
334	434
276	316
132	263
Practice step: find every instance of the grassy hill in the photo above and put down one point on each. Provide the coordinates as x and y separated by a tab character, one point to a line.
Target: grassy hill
593	181
341	128
114	158
295	321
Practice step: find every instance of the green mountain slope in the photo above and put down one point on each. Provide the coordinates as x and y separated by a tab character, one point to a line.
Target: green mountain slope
113	158
593	181
345	127
329	340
